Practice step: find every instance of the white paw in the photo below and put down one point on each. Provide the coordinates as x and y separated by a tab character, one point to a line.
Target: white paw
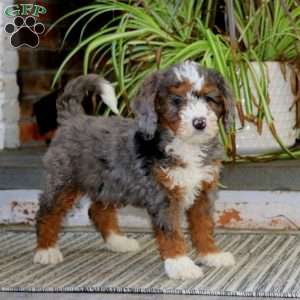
221	259
182	268
121	243
49	256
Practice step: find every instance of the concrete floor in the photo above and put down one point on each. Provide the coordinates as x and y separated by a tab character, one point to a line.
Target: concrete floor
77	296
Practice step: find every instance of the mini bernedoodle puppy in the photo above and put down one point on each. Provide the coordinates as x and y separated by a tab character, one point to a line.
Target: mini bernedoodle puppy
167	160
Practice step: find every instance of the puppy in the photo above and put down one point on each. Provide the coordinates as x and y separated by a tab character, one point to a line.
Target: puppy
166	159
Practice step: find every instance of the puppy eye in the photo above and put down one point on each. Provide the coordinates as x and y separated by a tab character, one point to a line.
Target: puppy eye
176	99
211	99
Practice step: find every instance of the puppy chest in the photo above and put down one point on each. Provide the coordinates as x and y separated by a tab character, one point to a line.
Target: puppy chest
193	171
189	179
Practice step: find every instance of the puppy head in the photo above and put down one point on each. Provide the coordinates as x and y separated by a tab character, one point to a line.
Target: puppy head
185	99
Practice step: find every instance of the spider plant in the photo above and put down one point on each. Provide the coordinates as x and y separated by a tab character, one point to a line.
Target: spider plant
151	34
266	31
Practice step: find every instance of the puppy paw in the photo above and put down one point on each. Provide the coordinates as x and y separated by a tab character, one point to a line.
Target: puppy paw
182	268
221	259
49	256
121	243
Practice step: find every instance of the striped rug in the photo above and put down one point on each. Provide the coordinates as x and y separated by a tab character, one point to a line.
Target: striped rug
268	264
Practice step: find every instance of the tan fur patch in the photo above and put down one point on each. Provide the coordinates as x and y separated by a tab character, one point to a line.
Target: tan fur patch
162	110
201	225
212	185
181	89
49	225
207	88
165	121
174	192
173	125
105	219
170	244
211	89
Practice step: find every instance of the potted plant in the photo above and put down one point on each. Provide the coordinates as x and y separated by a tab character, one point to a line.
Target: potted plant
268	33
146	35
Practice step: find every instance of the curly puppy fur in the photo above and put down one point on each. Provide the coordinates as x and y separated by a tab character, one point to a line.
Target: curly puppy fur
166	159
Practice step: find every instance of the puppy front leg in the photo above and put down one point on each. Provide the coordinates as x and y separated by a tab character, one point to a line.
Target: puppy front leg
172	249
201	229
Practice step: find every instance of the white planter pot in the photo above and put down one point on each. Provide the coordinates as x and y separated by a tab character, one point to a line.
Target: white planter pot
9	111
3	18
9	89
9	60
9	105
248	140
9	136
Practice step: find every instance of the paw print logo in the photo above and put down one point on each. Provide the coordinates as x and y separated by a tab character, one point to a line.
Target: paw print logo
24	32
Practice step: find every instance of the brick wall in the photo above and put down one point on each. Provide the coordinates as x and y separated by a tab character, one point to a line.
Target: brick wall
38	65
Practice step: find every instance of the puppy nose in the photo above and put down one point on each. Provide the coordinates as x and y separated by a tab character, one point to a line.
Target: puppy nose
199	123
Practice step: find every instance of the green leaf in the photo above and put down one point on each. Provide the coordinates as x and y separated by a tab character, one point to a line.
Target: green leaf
98	41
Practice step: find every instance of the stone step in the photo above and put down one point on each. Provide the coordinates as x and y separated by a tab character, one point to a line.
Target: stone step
246	210
22	169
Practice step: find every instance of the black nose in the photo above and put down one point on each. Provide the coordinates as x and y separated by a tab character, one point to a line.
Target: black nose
199	123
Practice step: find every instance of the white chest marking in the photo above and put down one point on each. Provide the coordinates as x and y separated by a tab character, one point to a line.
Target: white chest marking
190	176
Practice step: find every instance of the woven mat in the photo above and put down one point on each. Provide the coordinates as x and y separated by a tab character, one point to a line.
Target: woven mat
268	265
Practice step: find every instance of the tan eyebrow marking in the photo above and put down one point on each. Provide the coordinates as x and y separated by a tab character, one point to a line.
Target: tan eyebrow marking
208	88
181	89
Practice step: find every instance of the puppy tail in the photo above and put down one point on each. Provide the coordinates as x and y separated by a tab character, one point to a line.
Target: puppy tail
70	102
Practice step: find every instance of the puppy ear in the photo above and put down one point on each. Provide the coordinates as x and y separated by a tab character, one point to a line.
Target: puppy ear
229	106
143	106
228	100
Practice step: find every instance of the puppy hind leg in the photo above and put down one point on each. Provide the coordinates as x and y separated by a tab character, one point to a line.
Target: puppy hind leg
48	224
105	220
